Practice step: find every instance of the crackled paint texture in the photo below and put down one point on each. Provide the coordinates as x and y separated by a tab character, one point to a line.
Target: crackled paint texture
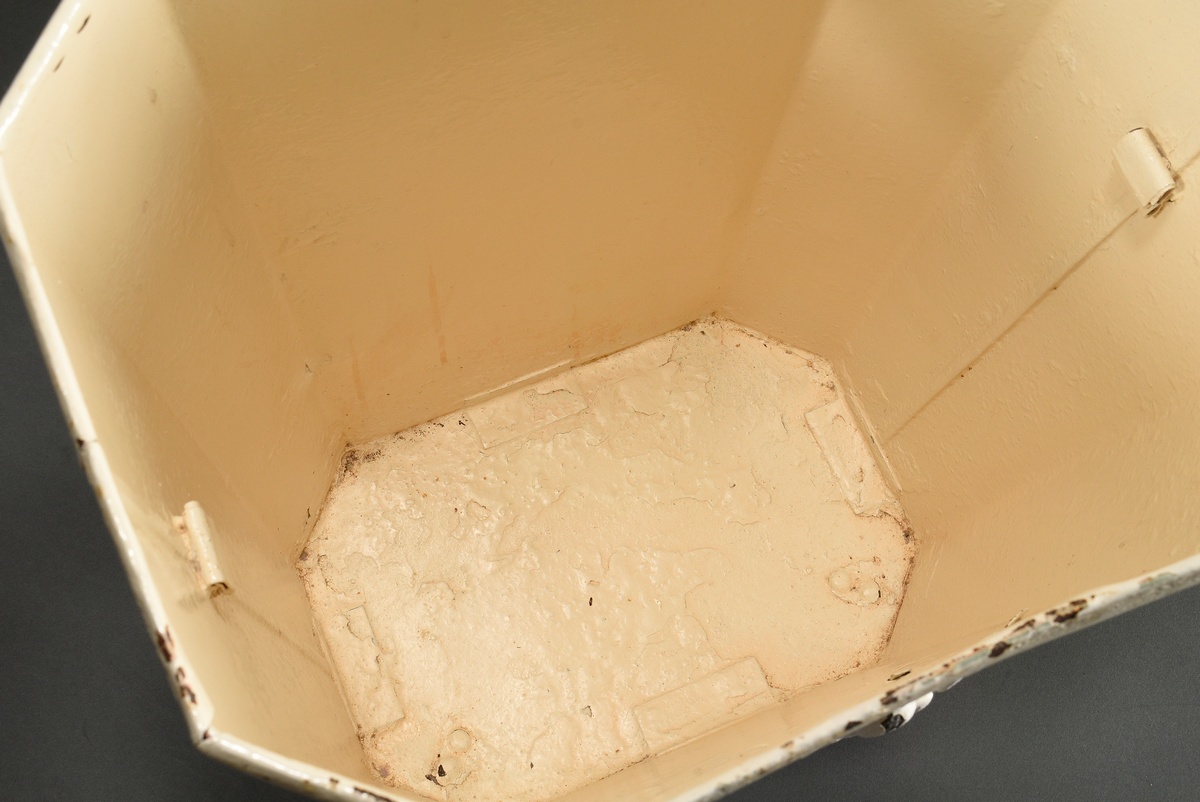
545	588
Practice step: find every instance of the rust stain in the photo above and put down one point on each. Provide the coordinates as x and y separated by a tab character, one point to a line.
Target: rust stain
165	644
851	725
999	649
436	313
1069	612
185	691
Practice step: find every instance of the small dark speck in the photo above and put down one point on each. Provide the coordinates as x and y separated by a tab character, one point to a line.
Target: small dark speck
462	423
902	674
851	725
530	765
86	20
59	64
79	442
702	331
999	649
590	599
441	771
431	778
440	425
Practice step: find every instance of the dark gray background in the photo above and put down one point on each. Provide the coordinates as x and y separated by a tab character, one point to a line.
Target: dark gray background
1112	713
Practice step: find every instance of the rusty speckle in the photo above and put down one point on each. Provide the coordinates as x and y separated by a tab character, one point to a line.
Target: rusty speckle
350	461
1027	625
908	533
185	691
206	735
164	643
1072	609
999	649
851	725
788	745
889	699
80	442
899	675
86	20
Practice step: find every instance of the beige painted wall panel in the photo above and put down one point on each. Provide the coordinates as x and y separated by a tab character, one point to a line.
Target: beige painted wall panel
1034	191
918	243
190	369
1066	458
888	97
457	194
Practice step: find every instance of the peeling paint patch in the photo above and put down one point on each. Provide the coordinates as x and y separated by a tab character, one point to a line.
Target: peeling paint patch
1070	611
621	539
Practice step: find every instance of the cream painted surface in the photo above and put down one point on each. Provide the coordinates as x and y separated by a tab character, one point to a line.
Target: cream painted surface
251	233
891	92
497	186
180	350
939	228
1068	456
586	572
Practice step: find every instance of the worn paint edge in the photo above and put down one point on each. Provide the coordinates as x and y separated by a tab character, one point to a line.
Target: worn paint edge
294	774
193	700
61	22
1082	611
